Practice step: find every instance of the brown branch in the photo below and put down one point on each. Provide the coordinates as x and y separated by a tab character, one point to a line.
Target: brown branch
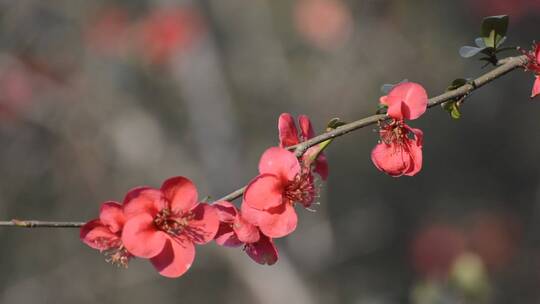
40	224
504	66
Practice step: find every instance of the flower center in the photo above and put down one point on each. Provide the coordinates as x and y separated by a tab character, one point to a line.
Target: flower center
397	135
118	256
301	189
172	223
393	132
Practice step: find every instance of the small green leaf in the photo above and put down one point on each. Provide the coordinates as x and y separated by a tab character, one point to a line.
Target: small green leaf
456	84
494	29
504	49
452	108
503	39
381	109
334	123
489	51
480	42
469	51
455	113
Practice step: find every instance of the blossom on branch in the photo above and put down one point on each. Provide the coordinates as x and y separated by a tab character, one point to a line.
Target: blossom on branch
164	224
407	100
235	231
104	234
288	136
269	198
400	150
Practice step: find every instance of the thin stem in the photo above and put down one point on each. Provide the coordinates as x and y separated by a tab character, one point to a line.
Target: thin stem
505	66
39	224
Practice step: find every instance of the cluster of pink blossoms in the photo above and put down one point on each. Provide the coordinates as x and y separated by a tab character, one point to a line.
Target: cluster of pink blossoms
163	225
399	151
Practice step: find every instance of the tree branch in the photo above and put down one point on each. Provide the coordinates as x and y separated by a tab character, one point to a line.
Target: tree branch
39	224
505	66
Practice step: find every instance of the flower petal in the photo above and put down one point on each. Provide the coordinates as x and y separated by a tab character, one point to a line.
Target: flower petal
395	107
252	215
202	228
321	166
536	87
305	127
280	162
112	215
288	135
264	191
134	192
226	211
390	159
143	201
263	252
175	259
226	236
180	192
415	152
98	236
418	135
279	222
407	100
245	231
141	238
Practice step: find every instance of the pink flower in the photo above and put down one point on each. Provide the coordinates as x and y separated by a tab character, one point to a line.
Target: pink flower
165	32
534	66
269	197
435	248
163	225
407	100
104	233
288	136
400	150
235	231
326	24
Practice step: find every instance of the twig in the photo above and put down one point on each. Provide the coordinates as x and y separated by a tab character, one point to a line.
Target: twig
505	66
40	224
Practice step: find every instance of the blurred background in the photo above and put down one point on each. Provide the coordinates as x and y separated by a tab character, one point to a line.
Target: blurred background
97	97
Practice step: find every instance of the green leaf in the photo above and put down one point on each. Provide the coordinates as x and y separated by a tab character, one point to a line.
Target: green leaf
334	123
452	108
381	109
494	29
503	39
480	42
504	49
469	51
455	113
488	51
456	84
